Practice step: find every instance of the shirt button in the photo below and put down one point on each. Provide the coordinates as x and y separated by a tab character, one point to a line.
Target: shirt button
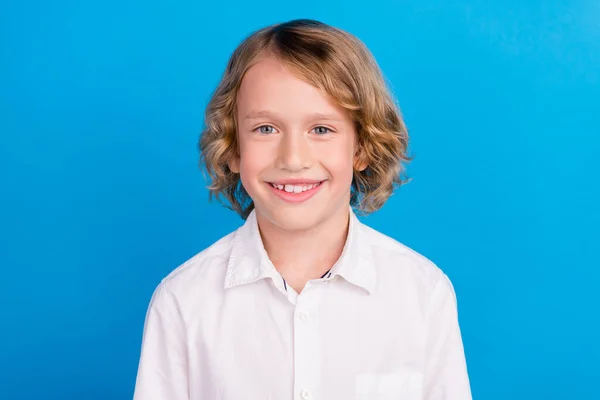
305	394
304	316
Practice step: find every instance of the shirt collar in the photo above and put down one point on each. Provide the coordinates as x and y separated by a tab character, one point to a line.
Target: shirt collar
249	262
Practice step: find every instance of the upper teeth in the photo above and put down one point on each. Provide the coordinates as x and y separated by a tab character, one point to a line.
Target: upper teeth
295	188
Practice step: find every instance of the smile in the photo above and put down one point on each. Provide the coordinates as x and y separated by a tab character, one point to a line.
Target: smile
297	192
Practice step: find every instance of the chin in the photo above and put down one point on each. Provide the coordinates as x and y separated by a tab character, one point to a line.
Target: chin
292	219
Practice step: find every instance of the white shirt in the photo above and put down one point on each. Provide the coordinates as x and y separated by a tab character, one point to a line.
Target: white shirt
381	325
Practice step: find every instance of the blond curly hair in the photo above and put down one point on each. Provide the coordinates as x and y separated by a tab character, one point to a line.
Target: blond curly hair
338	63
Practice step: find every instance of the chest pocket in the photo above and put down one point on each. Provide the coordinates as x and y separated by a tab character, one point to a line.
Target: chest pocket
397	385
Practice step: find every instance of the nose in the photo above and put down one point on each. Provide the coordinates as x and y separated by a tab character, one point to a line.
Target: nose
294	152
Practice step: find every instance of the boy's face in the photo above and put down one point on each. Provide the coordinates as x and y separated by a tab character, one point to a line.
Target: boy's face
296	148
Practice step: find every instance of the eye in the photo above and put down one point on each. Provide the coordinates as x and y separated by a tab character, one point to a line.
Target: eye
321	130
265	129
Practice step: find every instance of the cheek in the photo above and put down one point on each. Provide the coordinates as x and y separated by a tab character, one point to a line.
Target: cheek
339	161
253	159
247	160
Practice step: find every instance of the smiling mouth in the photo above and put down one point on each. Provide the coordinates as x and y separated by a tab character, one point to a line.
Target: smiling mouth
295	188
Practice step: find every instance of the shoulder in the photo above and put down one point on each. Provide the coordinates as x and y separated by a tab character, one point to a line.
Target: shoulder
202	274
395	258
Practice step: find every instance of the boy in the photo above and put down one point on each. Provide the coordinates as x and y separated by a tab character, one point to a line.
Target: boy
303	301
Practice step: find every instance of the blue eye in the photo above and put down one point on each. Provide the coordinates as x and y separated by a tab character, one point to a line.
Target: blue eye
265	129
321	130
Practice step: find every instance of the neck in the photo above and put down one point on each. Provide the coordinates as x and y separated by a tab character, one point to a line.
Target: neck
300	256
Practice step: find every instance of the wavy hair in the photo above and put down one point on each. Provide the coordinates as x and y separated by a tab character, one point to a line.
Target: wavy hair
338	63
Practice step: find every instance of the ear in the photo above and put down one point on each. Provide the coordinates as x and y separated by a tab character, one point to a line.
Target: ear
360	160
234	164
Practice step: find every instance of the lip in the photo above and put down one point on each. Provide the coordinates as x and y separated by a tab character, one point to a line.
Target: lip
296	198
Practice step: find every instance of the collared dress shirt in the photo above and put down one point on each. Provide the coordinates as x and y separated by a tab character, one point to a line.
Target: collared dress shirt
381	324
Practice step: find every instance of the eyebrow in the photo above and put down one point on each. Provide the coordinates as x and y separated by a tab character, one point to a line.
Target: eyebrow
254	114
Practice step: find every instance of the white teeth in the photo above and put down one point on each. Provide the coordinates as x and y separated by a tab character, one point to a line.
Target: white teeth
295	188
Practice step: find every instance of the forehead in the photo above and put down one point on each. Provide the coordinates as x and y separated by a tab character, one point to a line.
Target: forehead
270	85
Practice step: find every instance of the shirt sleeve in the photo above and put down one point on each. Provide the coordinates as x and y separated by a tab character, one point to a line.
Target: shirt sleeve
446	375
163	365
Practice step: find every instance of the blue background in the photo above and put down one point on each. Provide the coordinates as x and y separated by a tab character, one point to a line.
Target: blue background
101	104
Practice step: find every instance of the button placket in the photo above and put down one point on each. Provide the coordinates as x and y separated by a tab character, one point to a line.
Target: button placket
307	352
